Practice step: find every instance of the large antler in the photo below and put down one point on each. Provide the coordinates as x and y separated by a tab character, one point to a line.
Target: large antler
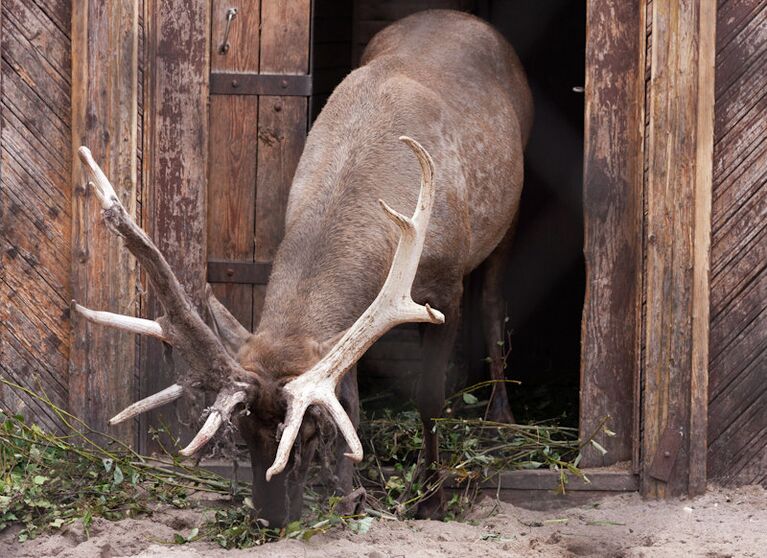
392	306
209	362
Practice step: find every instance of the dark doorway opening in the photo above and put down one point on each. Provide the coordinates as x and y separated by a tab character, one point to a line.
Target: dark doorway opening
545	281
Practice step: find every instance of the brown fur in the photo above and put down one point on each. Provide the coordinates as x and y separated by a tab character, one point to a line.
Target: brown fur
455	85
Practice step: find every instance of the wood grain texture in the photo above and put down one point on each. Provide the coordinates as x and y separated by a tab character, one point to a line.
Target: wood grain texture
614	117
282	125
232	193
678	190
737	428
35	206
175	162
104	96
233	153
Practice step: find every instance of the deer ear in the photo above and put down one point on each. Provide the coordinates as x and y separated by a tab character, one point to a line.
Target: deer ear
230	331
322	347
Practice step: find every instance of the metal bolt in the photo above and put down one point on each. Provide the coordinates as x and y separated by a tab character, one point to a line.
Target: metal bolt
229	271
277	107
666	454
284	84
235	83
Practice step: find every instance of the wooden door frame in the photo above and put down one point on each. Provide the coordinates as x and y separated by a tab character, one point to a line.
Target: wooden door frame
646	310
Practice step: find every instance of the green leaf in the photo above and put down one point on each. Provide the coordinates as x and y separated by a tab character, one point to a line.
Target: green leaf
360	526
118	475
470	399
179	538
39	479
57	523
107	464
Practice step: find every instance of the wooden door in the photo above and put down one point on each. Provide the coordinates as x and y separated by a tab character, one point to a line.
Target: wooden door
259	90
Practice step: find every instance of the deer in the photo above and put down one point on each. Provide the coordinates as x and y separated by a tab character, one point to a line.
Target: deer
409	180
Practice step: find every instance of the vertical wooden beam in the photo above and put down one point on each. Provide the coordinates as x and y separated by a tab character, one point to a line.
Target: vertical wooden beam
175	169
282	124
233	151
678	232
612	201
104	113
702	249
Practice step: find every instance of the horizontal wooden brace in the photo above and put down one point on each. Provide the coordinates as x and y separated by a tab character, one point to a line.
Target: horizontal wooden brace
227	83
249	273
543	480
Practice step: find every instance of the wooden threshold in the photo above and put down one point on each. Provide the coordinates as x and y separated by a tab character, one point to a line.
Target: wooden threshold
530	489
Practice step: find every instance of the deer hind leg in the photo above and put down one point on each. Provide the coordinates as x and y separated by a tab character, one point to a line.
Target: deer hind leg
438	341
493	325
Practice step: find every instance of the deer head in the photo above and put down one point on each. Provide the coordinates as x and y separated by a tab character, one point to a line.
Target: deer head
219	356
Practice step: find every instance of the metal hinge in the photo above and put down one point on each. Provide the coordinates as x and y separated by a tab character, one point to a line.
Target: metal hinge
665	456
249	273
230	83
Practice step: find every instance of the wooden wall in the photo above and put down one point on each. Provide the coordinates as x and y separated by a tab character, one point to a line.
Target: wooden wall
256	141
35	202
737	432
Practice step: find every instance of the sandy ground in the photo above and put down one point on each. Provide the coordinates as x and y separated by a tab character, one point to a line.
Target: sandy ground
723	523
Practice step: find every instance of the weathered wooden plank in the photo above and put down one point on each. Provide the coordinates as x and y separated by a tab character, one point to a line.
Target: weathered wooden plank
41	257
739	99
750	464
742	348
731	17
233	153
739	184
741	312
34	209
29	333
46	40
612	197
742	443
738	395
231	193
33	216
24	148
737	56
51	133
738	232
104	59
282	124
678	193
35	71
59	12
175	163
753	132
244	37
742	271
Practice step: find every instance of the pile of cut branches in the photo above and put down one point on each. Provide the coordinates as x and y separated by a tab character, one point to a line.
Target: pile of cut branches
473	452
50	480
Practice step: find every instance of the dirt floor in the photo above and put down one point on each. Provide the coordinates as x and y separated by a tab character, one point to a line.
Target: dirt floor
724	523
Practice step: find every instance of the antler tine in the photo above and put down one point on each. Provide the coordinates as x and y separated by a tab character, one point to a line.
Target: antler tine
209	362
392	306
182	326
120	321
168	395
220	412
